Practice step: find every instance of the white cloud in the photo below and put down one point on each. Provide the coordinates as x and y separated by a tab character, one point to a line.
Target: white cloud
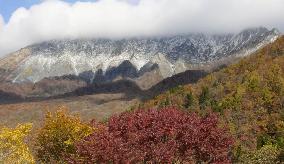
1	23
54	19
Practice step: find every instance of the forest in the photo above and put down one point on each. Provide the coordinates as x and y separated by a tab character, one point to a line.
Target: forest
234	115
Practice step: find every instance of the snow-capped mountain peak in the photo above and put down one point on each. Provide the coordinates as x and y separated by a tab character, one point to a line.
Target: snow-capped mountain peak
172	54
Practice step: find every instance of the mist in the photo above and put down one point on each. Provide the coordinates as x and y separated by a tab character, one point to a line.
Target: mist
115	19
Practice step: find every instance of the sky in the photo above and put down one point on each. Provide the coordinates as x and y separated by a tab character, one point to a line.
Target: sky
7	7
25	22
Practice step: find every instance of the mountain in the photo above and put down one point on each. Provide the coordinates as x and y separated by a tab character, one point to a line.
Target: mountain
173	54
61	66
248	96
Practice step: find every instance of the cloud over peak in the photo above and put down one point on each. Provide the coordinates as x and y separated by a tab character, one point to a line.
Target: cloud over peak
55	19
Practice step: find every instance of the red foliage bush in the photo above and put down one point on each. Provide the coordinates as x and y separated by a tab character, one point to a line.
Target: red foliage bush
159	136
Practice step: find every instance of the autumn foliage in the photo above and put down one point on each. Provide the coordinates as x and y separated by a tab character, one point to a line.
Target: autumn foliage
13	148
248	95
56	136
159	136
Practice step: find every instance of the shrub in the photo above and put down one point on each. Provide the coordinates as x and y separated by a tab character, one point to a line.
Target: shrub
155	136
253	81
179	89
189	100
267	154
12	146
204	97
55	139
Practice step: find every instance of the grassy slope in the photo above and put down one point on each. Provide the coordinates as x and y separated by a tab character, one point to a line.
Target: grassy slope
99	107
248	95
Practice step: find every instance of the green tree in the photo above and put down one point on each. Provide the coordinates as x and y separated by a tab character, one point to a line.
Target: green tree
204	98
189	100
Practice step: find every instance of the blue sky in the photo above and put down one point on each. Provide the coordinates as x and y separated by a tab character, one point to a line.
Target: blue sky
7	7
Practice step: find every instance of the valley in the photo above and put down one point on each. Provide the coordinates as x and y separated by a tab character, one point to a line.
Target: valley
99	106
98	101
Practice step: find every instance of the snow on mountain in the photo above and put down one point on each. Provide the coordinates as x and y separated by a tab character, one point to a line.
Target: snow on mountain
172	54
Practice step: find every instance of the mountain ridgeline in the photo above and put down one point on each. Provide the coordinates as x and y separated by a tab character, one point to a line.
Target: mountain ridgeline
58	67
172	54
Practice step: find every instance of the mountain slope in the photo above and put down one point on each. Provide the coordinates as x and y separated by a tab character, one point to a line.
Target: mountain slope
173	54
248	95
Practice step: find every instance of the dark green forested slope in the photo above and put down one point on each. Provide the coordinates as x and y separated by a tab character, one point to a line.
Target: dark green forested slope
248	95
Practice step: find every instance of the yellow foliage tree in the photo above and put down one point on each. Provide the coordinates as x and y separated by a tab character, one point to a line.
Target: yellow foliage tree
55	138
13	149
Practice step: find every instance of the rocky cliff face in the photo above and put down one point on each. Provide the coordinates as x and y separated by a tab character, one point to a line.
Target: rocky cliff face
104	59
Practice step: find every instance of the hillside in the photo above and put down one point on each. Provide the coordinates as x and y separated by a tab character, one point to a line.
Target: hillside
248	98
233	115
248	95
